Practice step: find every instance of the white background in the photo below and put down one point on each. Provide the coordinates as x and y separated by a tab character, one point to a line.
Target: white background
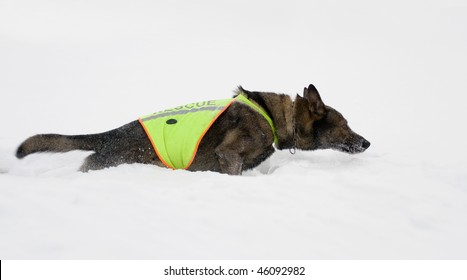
315	270
395	69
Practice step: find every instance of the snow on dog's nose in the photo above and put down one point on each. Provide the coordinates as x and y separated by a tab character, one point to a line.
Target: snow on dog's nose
356	144
360	146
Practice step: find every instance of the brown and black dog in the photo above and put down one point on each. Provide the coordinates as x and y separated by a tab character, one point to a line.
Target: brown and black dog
240	139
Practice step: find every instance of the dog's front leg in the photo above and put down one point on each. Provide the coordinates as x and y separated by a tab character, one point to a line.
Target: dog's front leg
229	153
231	163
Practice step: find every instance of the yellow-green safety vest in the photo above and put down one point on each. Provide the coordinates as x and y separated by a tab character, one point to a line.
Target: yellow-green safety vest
176	133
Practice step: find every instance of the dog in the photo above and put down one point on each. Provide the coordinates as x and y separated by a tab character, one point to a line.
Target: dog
240	138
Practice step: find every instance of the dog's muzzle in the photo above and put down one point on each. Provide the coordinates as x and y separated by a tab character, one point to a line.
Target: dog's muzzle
354	147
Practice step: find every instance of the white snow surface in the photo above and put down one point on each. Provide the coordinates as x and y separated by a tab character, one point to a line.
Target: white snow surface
396	70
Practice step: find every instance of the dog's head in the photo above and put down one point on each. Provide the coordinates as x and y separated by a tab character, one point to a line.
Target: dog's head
318	126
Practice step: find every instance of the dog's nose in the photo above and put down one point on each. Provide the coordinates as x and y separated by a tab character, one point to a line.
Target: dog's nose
366	144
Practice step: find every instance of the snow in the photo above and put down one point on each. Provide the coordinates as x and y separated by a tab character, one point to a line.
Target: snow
396	71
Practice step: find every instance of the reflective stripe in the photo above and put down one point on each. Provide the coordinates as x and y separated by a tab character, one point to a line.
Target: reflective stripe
181	112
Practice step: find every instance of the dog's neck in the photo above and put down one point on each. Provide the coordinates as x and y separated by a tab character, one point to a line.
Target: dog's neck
283	118
280	108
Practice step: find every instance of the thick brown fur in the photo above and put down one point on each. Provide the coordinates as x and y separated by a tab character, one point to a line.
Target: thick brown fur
240	139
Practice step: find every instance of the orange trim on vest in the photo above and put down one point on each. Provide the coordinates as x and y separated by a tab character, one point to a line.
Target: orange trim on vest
205	131
153	145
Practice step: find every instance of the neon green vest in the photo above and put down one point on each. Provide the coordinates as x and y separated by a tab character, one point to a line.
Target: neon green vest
176	133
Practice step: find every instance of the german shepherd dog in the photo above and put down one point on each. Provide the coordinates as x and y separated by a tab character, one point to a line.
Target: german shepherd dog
239	139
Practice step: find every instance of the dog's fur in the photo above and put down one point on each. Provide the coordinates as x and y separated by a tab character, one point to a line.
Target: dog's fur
239	139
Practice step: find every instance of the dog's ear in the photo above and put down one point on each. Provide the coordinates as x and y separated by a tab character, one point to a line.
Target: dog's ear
302	106
316	104
302	115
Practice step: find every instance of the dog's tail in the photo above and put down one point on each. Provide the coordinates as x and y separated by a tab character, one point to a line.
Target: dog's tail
59	143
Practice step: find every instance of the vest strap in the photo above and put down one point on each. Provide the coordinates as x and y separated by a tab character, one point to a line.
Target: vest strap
243	99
